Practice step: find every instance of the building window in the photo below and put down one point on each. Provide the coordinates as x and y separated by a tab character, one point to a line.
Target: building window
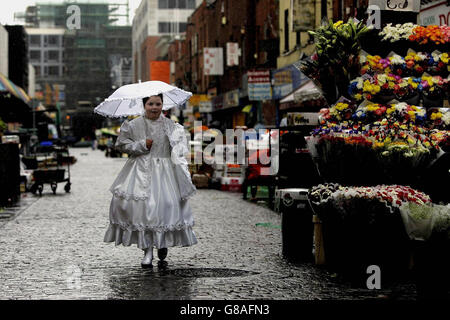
35	40
53	71
53	55
171	27
37	71
53	40
286	30
190	4
163	27
176	4
35	55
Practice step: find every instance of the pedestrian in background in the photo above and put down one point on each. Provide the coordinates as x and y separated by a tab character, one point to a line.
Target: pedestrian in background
150	205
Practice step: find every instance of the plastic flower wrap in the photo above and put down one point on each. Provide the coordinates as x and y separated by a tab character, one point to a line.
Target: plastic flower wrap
441	138
422	220
332	199
398	32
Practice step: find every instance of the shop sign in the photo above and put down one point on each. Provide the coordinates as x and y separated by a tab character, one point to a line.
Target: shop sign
302	118
213	61
435	13
205	106
217	102
285	80
259	86
396	5
303	15
232	54
231	99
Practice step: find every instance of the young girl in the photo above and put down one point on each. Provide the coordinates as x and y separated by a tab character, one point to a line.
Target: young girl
149	207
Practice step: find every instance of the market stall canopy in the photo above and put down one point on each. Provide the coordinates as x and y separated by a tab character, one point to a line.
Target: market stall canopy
7	85
307	91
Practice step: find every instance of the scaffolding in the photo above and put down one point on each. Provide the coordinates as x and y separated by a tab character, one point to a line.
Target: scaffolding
94	54
56	14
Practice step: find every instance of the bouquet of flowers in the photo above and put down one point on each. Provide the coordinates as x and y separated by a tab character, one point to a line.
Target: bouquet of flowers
434	89
369	202
422	220
398	32
438	118
431	33
374	64
380	88
397	65
438	63
416	63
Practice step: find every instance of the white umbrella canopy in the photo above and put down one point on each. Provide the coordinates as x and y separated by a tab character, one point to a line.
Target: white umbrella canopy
127	100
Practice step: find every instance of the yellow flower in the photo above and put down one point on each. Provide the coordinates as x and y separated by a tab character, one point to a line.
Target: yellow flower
337	24
444	58
390	110
358	96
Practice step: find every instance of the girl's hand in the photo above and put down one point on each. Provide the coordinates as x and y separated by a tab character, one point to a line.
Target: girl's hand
149	143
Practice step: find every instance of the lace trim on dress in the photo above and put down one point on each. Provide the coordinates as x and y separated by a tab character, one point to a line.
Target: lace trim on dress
127	196
130	227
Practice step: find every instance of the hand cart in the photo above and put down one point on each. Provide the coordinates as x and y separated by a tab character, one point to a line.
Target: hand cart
52	176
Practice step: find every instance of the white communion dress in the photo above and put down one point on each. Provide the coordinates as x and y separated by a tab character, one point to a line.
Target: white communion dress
147	208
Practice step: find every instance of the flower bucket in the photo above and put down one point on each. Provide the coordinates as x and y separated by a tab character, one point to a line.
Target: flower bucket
352	244
431	265
429	102
383	98
413	99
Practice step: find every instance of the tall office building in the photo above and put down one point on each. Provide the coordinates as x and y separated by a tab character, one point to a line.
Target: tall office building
155	24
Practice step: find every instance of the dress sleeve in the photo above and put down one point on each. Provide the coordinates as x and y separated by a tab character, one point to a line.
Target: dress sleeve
179	151
125	142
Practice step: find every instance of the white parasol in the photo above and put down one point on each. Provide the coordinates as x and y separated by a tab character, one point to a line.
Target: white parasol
127	100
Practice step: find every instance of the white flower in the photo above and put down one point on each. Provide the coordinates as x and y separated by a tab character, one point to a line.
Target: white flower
446	118
396	59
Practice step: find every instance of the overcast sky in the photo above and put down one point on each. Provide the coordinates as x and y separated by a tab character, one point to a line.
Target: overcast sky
8	8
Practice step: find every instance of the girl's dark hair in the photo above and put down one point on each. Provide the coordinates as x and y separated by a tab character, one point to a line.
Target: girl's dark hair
144	100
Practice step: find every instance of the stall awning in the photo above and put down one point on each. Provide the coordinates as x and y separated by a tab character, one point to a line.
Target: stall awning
307	91
7	85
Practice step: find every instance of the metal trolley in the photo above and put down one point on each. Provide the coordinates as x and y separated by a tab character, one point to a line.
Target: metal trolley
52	176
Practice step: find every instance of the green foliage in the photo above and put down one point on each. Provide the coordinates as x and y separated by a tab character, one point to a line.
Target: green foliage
2	125
337	63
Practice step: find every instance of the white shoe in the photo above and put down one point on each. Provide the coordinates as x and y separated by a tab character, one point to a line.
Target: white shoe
148	258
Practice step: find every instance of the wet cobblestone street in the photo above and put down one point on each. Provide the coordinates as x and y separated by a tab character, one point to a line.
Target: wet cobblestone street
54	249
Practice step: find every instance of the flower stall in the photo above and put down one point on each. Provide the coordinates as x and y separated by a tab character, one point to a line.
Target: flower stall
382	149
